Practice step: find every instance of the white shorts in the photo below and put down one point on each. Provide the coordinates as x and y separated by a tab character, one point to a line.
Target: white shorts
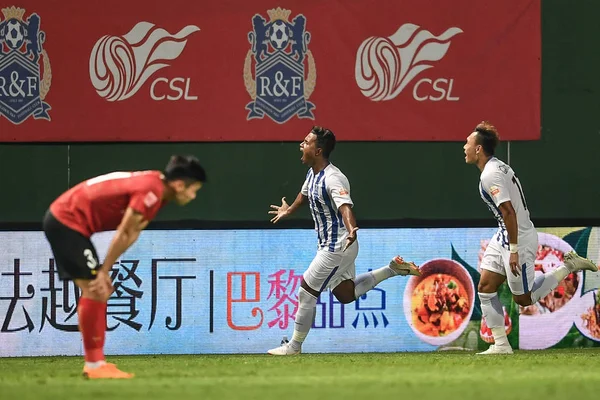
327	269
496	258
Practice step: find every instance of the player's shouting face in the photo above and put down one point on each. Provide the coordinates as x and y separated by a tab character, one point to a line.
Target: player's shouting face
472	149
309	149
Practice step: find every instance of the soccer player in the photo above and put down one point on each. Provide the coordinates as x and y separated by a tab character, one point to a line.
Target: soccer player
512	251
127	202
327	191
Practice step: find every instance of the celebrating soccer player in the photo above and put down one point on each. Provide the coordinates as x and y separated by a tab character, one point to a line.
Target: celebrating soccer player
512	251
327	191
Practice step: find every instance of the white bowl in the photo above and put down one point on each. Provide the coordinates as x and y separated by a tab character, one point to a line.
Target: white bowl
541	331
440	266
585	303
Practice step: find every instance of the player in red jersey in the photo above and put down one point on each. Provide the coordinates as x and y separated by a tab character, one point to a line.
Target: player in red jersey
121	201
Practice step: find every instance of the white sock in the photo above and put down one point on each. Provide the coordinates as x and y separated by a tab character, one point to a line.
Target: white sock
500	338
367	281
95	364
491	308
544	284
304	318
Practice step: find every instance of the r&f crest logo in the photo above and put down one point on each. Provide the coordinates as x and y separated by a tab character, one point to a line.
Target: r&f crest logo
279	87
24	76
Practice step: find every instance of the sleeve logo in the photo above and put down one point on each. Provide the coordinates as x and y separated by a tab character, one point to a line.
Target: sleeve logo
150	199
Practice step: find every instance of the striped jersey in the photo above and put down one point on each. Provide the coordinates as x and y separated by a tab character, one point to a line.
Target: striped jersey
498	184
327	191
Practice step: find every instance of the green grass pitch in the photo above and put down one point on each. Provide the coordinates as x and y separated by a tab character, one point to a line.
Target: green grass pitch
552	374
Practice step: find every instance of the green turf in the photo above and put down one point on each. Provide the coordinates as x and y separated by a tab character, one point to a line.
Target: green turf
569	374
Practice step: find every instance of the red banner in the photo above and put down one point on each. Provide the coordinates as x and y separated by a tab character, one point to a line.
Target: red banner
395	70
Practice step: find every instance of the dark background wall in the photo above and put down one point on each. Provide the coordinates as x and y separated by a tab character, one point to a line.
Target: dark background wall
391	182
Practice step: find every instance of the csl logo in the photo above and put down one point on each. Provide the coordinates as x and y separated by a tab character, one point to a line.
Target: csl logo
120	65
385	66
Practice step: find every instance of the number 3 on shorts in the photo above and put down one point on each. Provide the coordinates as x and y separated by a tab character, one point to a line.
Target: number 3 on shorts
91	261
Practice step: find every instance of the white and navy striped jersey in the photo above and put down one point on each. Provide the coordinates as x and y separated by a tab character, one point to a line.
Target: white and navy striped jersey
497	185
327	191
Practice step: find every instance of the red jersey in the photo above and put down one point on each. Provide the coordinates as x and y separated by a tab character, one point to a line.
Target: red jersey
99	204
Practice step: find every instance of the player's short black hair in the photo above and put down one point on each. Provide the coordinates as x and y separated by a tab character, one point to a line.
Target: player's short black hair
325	140
186	168
487	137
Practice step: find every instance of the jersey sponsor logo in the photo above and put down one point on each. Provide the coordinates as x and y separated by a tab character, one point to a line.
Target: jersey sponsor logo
494	190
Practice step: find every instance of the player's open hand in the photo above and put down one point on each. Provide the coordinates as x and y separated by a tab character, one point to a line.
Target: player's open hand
351	237
102	285
513	261
279	211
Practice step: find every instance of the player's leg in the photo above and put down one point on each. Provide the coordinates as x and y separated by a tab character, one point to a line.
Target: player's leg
544	284
523	286
347	287
342	283
492	276
368	280
316	278
527	290
76	259
305	315
91	312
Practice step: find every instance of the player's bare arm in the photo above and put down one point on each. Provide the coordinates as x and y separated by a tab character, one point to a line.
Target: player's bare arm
127	233
285	209
510	219
349	223
132	224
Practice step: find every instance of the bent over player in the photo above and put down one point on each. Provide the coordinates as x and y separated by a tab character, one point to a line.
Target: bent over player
327	191
512	251
127	202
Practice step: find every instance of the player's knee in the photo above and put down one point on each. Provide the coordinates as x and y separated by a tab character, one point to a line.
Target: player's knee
486	287
523	300
308	289
344	292
345	298
306	299
87	293
94	296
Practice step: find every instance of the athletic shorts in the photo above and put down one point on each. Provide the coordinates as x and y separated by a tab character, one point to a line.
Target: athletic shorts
74	254
496	259
329	269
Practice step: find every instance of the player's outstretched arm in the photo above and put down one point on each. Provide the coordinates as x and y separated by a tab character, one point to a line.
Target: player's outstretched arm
285	209
127	233
349	223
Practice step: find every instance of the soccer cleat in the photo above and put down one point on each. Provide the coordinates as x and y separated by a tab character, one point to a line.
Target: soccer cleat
574	262
284	350
106	371
403	268
493	349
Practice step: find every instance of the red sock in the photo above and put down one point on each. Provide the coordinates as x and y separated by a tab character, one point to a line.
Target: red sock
92	325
